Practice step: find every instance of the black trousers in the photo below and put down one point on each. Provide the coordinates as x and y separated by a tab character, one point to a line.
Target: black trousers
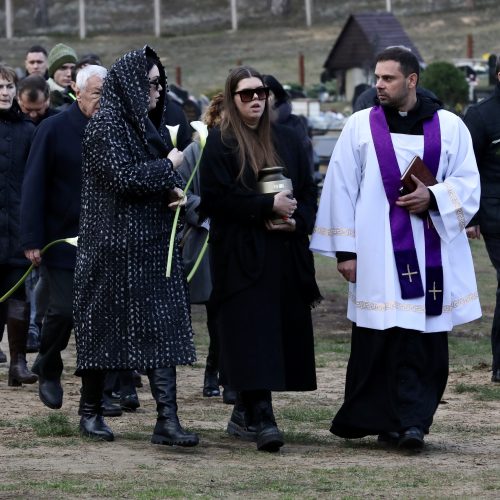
492	243
57	325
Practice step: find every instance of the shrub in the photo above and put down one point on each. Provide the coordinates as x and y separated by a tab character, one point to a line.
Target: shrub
448	83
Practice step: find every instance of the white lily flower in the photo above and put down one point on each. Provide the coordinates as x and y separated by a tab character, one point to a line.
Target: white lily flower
202	130
72	241
173	130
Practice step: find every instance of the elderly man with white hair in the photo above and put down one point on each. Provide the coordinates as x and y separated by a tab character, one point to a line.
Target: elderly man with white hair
50	210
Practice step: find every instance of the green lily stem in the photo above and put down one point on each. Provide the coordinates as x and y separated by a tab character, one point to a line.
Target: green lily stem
176	219
171	243
28	271
198	260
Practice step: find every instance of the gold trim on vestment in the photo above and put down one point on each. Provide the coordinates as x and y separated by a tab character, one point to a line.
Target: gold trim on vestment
416	308
334	231
457	205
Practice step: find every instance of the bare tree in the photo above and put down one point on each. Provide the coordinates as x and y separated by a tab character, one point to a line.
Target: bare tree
41	16
280	7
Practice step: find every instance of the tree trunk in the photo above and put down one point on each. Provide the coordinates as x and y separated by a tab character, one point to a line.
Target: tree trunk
41	14
280	7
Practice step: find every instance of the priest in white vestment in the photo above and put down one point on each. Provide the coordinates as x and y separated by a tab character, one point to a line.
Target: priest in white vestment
406	257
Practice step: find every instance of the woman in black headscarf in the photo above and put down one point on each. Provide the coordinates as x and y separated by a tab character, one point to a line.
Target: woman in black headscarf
128	315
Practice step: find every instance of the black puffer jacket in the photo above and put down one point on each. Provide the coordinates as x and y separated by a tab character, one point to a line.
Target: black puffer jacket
127	313
15	140
483	122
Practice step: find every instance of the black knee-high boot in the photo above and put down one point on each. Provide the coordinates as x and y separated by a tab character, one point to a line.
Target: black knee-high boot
168	429
269	437
91	423
17	330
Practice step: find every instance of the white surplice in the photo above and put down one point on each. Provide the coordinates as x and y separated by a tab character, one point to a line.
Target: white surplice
353	216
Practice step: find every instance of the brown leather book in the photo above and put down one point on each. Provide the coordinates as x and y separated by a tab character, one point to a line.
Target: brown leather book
420	170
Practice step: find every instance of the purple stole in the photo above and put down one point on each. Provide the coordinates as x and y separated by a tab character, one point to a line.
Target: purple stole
403	243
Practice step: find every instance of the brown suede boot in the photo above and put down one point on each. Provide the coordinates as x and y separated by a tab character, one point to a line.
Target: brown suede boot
17	330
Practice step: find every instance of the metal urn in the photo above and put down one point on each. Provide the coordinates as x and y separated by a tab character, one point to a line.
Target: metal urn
271	181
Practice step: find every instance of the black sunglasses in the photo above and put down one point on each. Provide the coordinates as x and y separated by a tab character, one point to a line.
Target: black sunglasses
246	95
155	82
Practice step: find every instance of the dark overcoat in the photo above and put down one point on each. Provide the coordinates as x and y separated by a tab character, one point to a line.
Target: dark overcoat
483	121
50	208
263	281
15	140
127	313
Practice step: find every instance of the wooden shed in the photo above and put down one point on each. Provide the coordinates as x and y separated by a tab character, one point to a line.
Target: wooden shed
364	35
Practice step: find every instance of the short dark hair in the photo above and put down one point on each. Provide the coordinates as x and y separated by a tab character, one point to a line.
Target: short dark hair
37	48
32	85
497	67
406	59
89	59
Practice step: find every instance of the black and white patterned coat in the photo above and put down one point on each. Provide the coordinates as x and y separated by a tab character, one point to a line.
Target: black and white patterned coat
127	313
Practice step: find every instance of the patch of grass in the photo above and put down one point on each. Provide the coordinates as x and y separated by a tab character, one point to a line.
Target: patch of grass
6	423
480	392
469	351
306	414
53	425
306	438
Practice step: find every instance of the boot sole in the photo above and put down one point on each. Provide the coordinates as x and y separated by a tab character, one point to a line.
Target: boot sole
158	439
271	441
97	437
237	431
411	443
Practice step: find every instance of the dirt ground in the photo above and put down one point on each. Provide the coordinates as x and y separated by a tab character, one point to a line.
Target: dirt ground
461	457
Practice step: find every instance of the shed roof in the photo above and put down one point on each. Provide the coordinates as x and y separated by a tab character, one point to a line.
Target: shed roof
363	36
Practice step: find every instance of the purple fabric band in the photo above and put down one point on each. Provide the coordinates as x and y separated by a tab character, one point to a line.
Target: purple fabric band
405	253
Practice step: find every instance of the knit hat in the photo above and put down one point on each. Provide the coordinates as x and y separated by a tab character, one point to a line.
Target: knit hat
59	55
280	94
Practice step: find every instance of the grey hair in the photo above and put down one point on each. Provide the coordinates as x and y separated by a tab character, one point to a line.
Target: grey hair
87	72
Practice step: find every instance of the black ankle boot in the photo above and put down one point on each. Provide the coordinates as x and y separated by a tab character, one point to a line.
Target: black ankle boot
269	437
91	422
239	424
211	383
168	429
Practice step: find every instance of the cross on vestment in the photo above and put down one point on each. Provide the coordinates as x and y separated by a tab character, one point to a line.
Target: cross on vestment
409	273
434	291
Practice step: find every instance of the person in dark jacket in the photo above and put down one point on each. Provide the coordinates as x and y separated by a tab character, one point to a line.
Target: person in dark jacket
50	210
262	269
128	314
15	139
281	113
483	122
33	96
61	61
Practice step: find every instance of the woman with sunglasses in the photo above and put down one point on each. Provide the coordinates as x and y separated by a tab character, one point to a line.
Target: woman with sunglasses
128	315
263	271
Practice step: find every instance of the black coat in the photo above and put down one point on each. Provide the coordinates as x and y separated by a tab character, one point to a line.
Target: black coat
52	185
127	313
15	139
483	122
263	281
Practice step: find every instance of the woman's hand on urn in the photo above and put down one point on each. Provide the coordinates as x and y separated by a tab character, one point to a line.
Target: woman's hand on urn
177	198
288	225
176	157
284	204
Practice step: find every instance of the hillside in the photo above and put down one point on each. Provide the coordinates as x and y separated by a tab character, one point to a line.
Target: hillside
205	55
